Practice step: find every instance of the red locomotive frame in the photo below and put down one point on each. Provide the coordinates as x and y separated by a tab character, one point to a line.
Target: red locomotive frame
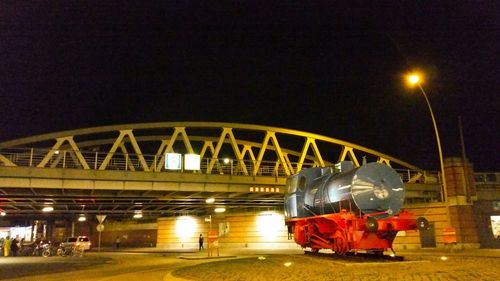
345	231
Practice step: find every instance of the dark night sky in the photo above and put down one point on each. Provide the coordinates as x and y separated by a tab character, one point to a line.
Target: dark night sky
314	66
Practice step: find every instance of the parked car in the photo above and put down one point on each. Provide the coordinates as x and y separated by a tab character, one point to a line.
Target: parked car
83	241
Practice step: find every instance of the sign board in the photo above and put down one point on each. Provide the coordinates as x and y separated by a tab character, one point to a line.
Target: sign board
212	236
100	227
173	161
192	162
100	218
223	228
215	244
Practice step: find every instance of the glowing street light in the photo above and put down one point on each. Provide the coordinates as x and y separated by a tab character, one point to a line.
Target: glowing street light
414	79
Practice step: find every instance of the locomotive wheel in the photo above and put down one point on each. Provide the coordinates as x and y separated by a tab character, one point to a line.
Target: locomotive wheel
340	246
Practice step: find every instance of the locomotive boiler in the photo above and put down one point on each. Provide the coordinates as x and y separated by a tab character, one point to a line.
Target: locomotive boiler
346	208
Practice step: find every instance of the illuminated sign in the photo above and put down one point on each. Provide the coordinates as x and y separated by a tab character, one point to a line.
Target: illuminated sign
264	189
173	161
191	162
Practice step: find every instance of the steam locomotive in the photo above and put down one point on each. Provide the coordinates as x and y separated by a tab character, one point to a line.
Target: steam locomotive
346	208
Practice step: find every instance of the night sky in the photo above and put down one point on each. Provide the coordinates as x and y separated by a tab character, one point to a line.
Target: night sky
334	70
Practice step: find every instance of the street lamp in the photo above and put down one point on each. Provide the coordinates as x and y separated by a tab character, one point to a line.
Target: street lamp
414	79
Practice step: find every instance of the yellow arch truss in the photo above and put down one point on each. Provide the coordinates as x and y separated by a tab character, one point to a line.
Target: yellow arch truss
217	141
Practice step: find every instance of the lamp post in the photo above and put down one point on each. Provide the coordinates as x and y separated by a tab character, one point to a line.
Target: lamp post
414	79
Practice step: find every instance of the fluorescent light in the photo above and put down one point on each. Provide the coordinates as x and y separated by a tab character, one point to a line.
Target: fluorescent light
220	210
48	209
137	214
210	200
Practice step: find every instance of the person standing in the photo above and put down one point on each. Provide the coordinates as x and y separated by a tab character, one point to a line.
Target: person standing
117	242
14	246
6	246
200	241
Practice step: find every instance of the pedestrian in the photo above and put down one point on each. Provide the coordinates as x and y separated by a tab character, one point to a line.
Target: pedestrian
200	240
14	247
117	242
6	246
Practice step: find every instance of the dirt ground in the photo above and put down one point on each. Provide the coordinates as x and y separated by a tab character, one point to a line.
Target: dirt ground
304	267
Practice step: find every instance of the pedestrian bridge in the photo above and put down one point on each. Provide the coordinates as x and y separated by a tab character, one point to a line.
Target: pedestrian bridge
119	170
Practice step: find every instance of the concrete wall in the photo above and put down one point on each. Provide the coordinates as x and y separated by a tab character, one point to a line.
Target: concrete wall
247	230
131	233
243	230
483	210
436	214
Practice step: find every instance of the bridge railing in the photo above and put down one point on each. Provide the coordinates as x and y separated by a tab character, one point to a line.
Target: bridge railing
68	159
414	176
487	178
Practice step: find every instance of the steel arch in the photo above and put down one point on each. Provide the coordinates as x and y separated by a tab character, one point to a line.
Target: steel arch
132	140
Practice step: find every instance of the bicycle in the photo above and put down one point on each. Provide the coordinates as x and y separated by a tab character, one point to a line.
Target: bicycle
73	250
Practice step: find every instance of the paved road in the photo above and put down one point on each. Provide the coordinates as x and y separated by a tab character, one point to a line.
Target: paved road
93	267
147	264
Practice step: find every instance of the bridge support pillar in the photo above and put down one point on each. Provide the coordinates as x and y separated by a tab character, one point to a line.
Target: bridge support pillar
461	196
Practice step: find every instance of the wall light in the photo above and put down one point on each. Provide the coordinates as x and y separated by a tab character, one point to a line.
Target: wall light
269	224
185	227
82	218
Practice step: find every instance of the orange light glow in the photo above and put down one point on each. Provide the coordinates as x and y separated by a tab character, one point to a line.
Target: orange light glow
413	79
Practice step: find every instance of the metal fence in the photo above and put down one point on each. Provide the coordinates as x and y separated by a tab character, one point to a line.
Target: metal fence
67	159
487	178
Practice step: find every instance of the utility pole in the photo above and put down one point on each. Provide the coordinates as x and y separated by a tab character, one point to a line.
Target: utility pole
464	160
